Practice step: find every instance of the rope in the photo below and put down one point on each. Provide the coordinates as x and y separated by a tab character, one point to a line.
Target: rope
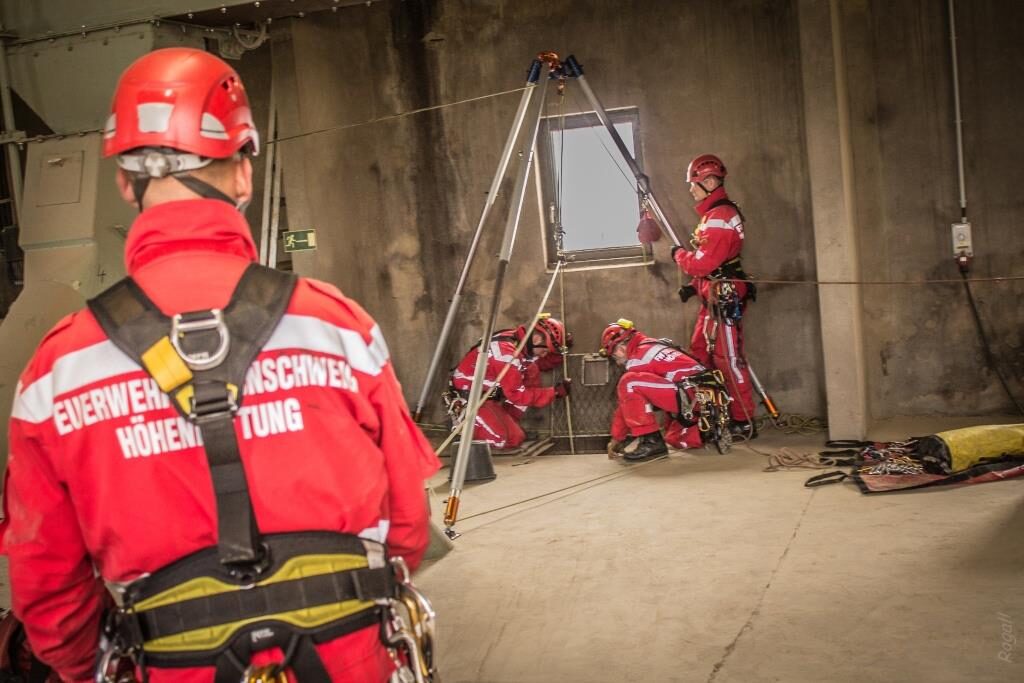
789	459
425	427
792	423
609	477
393	117
761	281
285	138
560	243
565	366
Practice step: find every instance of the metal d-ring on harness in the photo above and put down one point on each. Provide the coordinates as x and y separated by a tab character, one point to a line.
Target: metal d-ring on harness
252	591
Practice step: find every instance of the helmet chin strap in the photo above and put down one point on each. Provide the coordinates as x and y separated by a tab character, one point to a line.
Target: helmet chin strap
202	188
139	185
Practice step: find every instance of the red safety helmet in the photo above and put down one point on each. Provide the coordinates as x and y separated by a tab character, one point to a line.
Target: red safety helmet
619	332
703	166
553	332
175	110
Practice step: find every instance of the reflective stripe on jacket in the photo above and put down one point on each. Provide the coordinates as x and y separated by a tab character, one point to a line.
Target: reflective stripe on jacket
720	238
106	481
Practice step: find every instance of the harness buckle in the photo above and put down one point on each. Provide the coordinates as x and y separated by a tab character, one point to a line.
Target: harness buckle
247	573
208	405
201	321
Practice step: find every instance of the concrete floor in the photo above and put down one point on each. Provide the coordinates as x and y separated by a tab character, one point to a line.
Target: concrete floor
704	568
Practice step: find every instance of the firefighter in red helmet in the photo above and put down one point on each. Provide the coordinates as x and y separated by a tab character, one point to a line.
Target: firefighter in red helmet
220	451
512	380
654	372
719	280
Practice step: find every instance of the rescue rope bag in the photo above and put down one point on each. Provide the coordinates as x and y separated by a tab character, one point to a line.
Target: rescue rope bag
960	449
217	606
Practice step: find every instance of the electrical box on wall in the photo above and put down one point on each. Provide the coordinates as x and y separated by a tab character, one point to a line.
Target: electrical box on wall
962	245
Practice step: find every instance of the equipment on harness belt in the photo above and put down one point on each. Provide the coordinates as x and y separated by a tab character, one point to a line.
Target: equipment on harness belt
708	407
731	271
454	404
251	592
725	302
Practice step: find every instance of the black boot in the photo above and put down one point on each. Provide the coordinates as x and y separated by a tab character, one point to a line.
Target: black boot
648	446
741	429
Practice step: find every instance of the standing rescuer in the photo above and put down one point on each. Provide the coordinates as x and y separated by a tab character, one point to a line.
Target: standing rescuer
221	448
718	279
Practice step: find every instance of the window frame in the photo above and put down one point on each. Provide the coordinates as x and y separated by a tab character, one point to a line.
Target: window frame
596	258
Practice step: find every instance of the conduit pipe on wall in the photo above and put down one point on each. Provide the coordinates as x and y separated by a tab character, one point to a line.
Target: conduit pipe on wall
269	164
13	155
959	118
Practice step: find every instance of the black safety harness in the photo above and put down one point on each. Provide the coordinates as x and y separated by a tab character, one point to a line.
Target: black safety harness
252	591
733	268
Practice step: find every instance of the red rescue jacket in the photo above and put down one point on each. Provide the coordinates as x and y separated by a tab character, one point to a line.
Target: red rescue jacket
719	237
106	482
517	386
647	354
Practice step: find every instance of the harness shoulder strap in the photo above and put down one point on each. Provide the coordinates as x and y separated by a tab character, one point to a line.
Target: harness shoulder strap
206	385
504	335
729	202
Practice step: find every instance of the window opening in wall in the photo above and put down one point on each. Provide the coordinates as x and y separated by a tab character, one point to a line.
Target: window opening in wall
584	182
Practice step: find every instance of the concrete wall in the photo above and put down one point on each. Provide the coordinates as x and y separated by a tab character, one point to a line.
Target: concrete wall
395	203
923	350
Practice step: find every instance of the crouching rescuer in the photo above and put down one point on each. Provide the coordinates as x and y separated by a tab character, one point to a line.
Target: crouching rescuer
213	473
658	376
516	359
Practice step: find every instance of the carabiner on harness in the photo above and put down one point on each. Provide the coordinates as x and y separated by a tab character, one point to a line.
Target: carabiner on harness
409	630
271	673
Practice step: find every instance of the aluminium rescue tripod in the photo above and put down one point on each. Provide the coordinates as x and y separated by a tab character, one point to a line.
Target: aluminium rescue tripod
508	241
570	68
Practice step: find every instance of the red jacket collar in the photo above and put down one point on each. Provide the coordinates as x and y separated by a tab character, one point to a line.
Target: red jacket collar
704	205
187	225
634	343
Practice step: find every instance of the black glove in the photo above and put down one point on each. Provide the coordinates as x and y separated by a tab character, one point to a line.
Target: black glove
686	292
675	249
563	388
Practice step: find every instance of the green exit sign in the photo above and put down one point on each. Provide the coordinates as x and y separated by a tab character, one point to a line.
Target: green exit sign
299	240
